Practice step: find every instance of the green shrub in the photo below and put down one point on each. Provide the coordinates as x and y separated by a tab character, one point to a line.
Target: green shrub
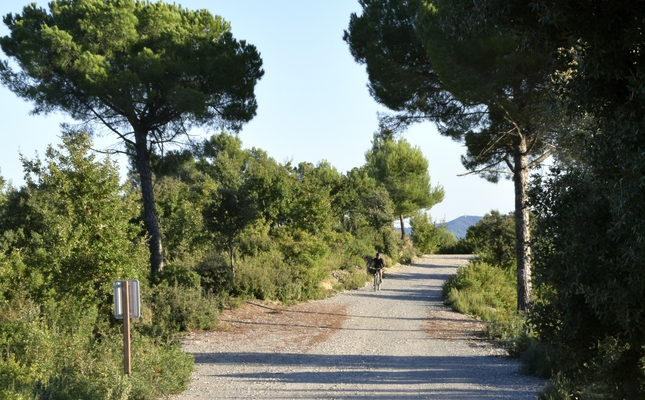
489	293
215	272
538	360
177	274
461	246
428	238
353	279
482	290
179	308
256	276
556	389
390	242
407	254
493	239
67	350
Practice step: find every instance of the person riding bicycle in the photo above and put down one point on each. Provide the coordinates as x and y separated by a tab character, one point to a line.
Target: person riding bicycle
377	264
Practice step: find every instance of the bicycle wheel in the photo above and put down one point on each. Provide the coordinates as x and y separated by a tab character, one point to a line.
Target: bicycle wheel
377	282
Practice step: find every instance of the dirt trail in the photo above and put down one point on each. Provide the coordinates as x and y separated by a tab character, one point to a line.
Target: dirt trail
399	343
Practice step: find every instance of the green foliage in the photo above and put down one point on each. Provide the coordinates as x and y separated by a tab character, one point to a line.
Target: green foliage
377	208
270	277
311	208
384	38
428	238
403	172
180	202
216	276
539	360
148	81
584	262
488	292
69	228
178	308
73	230
66	237
64	349
460	246
177	274
493	239
483	290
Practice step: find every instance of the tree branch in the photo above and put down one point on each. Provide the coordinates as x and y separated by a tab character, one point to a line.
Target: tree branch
494	171
541	158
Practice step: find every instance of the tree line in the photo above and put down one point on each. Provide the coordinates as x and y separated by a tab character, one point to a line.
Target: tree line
203	226
516	83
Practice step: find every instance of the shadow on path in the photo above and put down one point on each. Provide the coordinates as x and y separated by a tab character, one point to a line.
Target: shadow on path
379	376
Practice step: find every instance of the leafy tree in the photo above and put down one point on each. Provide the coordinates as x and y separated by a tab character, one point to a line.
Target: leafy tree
348	201
70	225
591	311
311	208
378	208
590	208
274	184
234	205
146	72
493	238
403	171
475	87
180	205
427	236
231	211
2	191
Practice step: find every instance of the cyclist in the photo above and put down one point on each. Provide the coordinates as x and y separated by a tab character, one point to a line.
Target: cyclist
378	264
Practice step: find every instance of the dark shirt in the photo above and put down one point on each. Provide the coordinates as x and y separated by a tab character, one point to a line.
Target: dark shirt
378	263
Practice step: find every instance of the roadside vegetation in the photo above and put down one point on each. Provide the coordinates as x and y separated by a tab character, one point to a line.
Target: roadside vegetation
236	225
202	227
486	288
209	224
517	84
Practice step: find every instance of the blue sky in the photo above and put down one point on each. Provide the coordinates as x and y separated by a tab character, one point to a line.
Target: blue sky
313	102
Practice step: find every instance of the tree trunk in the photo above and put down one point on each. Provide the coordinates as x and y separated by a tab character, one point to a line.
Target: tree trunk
232	257
402	227
522	232
149	209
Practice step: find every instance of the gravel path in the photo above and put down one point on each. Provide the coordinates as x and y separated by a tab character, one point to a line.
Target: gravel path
399	343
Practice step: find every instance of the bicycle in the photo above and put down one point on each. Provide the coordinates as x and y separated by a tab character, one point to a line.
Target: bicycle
377	280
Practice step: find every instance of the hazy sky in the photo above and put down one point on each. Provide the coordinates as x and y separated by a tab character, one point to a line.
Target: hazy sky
313	102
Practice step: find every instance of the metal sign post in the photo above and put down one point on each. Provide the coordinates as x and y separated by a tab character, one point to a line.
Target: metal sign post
127	369
126	306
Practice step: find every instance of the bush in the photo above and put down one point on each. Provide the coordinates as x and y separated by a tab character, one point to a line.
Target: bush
428	238
215	273
493	239
461	246
177	274
489	293
538	360
482	290
66	350
180	308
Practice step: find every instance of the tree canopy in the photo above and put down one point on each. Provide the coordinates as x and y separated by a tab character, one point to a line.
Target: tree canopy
403	172
475	87
146	72
589	247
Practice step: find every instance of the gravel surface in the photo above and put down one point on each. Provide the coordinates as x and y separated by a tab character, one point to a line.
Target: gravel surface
398	343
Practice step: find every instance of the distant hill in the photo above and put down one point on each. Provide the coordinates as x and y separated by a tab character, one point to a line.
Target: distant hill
460	225
457	226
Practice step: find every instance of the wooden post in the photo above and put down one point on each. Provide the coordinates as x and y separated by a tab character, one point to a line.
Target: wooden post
126	328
